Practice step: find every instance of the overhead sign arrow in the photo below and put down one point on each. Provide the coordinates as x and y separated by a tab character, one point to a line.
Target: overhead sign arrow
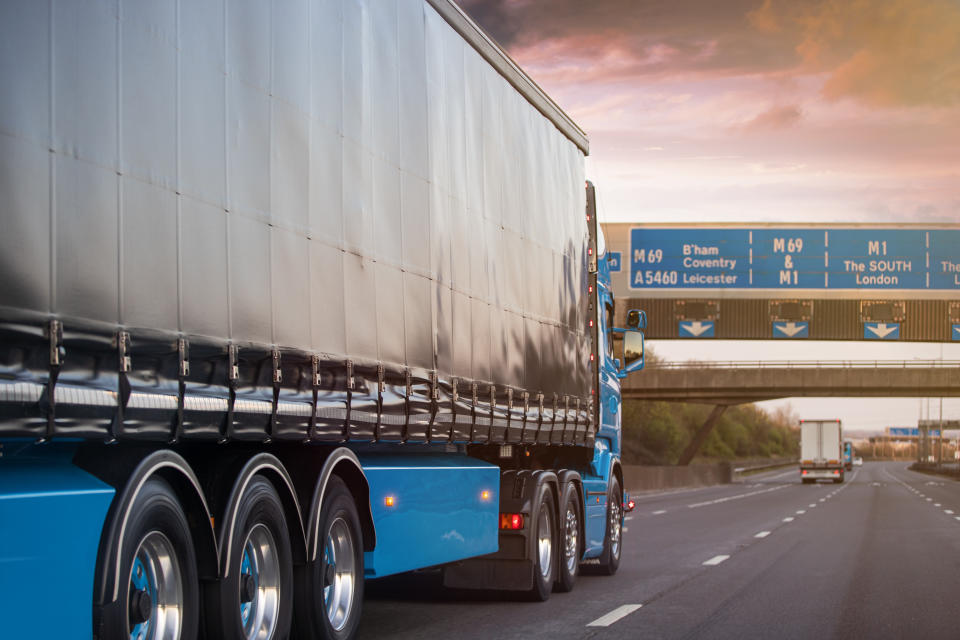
881	331
956	332
790	329
697	329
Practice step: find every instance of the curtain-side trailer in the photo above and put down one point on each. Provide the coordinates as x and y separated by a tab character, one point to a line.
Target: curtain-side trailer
292	295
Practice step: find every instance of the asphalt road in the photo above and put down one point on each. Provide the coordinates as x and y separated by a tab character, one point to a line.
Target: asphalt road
875	557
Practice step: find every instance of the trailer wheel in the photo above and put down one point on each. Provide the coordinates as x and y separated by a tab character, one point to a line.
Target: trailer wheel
159	595
612	540
807	480
571	545
330	587
255	599
544	547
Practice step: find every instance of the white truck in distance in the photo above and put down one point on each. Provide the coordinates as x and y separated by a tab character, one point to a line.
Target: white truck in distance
821	450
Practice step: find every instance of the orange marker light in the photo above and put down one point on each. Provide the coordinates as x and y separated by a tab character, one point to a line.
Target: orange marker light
388	501
484	495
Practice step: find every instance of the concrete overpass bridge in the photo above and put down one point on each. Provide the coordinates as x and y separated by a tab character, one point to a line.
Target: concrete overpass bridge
728	383
740	381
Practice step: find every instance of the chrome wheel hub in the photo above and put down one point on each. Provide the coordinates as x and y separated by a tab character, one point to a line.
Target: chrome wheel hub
259	585
339	575
155	591
571	540
615	526
544	541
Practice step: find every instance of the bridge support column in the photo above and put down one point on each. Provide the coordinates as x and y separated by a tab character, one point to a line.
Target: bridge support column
701	435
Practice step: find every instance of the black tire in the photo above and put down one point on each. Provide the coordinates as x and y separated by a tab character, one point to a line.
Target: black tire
156	543
613	538
570	550
543	547
807	480
339	525
255	599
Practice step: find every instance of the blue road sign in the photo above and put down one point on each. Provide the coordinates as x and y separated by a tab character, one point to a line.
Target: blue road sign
791	329
955	332
696	329
881	330
795	258
615	260
911	431
903	431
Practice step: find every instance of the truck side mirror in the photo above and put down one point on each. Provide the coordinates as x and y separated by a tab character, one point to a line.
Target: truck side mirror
632	351
636	319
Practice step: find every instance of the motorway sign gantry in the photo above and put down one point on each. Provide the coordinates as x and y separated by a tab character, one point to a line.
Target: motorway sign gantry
794	258
816	282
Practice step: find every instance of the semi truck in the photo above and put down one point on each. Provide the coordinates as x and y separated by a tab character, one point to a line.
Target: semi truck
821	451
292	295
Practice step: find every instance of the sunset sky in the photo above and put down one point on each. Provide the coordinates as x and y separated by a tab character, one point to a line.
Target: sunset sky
759	111
753	110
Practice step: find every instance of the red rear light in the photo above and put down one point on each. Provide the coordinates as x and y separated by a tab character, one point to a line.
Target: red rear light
836	472
804	472
629	506
511	521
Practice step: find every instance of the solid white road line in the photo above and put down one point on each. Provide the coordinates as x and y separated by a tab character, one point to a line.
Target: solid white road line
715	560
792	472
762	534
788	519
620	612
736	497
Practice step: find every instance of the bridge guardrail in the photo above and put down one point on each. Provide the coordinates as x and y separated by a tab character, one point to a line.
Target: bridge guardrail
762	466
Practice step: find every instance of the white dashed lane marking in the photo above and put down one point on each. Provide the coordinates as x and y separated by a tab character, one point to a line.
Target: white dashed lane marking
762	534
657	513
620	612
788	519
715	560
